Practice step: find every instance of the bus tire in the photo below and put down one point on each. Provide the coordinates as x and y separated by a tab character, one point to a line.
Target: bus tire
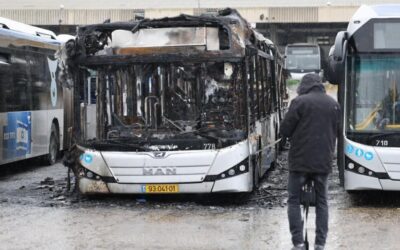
54	147
276	155
256	174
340	160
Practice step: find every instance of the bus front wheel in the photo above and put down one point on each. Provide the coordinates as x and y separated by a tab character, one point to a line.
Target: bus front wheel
53	147
256	174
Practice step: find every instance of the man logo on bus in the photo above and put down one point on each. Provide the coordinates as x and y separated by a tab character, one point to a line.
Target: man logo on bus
159	154
53	85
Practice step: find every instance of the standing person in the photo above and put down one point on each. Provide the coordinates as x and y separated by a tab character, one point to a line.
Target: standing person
311	124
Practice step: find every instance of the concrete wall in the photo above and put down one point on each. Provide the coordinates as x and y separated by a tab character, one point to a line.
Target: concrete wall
336	14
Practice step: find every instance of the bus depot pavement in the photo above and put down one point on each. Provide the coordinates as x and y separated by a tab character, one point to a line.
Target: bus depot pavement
37	212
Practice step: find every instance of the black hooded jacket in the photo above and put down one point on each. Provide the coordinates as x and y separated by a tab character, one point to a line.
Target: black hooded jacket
311	124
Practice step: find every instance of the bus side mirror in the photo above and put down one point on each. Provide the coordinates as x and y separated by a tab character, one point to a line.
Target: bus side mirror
336	59
340	47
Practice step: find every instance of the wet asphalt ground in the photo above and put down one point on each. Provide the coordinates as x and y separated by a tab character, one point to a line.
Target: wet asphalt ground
37	212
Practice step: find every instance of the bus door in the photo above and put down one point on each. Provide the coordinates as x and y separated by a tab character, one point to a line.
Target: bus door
89	106
6	91
40	94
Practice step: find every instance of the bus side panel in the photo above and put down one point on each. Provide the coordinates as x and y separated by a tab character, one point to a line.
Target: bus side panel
55	101
23	134
2	123
16	96
40	137
15	136
40	95
68	118
55	115
47	100
266	130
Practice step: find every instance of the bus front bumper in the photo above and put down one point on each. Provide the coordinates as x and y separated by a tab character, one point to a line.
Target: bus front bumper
354	181
234	184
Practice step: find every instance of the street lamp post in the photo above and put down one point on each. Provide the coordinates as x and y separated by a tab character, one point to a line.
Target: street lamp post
60	18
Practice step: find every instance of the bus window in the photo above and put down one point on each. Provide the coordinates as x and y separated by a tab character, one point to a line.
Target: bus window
6	86
39	76
22	94
301	59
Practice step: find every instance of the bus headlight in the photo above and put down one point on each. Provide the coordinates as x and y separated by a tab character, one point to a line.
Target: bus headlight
354	167
89	174
361	170
240	168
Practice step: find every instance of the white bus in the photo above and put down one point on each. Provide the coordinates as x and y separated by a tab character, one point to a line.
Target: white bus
365	62
31	101
301	59
190	104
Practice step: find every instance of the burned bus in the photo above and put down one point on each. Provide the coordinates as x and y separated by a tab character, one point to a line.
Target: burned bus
189	104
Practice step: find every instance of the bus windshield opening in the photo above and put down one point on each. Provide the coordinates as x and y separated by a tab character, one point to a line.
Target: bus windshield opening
374	104
170	106
303	58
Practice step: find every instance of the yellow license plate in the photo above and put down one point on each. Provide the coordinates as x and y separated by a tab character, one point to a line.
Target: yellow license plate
160	188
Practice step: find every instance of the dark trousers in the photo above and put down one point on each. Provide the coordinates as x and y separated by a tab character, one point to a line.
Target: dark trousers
296	181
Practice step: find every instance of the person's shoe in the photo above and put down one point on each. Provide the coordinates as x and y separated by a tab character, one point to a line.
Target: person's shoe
319	247
299	247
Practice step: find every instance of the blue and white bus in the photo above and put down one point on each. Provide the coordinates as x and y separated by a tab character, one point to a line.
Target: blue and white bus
31	101
302	59
365	62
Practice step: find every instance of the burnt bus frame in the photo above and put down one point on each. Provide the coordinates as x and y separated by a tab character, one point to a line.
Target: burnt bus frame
261	53
259	104
263	76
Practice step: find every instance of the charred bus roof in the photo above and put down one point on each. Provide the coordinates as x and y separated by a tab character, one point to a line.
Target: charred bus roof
223	37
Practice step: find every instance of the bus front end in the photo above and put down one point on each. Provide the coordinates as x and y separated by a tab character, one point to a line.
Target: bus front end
371	167
372	130
164	106
302	59
367	55
181	171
